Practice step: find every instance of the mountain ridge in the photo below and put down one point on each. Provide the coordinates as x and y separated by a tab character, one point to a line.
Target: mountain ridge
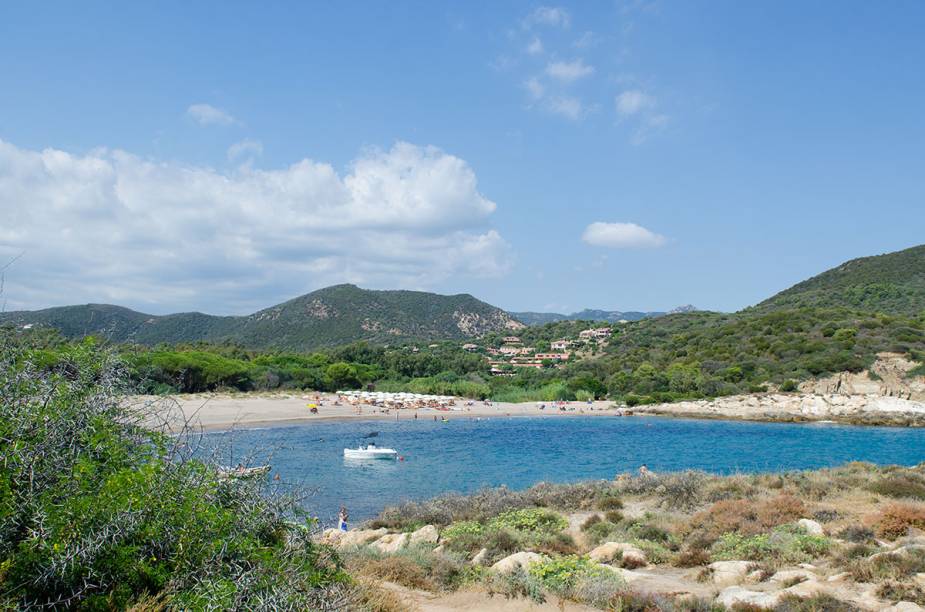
531	318
326	317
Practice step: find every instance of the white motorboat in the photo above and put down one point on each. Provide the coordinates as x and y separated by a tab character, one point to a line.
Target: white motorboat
370	451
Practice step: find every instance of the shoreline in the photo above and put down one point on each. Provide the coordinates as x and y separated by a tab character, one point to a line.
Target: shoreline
223	412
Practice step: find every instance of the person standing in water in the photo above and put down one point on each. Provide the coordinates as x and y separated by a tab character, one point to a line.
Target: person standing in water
342	518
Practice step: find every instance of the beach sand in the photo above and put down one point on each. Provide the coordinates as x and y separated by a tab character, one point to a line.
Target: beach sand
216	411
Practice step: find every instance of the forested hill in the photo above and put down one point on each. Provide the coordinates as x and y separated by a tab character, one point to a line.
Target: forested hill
893	283
328	317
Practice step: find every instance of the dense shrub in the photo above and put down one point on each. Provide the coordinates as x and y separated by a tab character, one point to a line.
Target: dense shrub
744	517
97	512
900	486
896	519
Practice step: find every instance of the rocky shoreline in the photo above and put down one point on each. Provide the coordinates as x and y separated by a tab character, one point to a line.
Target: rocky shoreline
799	407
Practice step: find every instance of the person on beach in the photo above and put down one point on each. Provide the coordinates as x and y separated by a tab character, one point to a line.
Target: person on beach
342	518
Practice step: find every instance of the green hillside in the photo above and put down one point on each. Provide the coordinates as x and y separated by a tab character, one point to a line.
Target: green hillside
893	284
328	317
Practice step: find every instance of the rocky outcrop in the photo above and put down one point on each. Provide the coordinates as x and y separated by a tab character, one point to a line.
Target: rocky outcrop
392	542
860	409
425	535
888	377
729	572
811	527
630	554
520	559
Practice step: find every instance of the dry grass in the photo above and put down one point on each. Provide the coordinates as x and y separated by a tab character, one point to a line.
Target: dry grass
744	517
895	520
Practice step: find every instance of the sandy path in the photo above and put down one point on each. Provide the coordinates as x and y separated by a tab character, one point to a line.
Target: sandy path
226	411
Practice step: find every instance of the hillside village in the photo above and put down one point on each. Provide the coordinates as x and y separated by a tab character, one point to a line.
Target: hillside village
510	354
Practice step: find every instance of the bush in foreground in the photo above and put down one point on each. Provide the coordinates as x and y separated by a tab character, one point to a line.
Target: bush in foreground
98	512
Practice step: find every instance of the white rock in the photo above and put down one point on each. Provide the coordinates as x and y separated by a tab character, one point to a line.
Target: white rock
628	576
605	553
358	537
808	588
331	536
427	534
905	606
520	559
391	543
479	558
791	575
730	572
811	527
838	577
735	595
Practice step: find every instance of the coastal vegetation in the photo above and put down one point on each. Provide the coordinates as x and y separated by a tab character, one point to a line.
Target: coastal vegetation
683	356
845	538
100	513
836	322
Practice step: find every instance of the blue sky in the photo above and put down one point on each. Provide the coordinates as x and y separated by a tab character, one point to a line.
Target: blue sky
622	155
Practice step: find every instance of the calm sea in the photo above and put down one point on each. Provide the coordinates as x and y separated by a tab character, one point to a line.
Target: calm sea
464	455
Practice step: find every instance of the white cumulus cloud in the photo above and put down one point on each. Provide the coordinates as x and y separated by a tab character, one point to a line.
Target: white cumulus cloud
633	101
110	226
206	114
621	236
569	71
535	46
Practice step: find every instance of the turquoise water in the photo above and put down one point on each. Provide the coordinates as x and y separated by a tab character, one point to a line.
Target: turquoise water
464	455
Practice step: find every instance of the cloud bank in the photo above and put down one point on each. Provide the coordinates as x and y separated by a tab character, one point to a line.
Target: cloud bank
112	226
621	236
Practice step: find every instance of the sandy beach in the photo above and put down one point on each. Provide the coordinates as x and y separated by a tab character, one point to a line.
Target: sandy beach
216	411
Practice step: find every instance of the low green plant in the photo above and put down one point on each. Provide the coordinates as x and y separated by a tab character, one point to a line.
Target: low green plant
783	544
567	576
531	520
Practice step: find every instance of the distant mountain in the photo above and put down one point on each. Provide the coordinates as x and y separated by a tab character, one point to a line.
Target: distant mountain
893	283
327	317
611	316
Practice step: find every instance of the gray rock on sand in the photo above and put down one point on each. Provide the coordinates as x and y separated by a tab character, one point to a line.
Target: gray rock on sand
801	575
628	576
905	606
520	559
730	572
605	553
425	535
737	596
811	527
391	543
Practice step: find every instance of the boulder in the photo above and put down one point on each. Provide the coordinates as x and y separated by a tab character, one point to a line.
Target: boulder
479	558
737	596
425	535
811	527
905	606
391	542
628	576
605	553
520	559
730	572
808	588
800	575
358	537
331	536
